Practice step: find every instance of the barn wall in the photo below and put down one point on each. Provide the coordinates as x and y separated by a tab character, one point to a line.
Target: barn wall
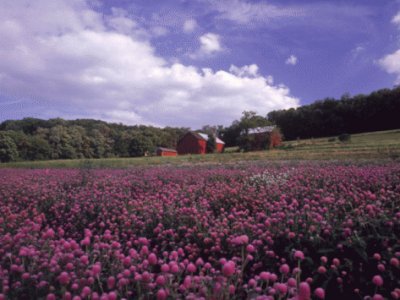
161	152
189	144
203	146
219	148
275	139
168	153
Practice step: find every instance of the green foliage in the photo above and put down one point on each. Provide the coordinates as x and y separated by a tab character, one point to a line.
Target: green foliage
244	142
121	143
250	119
211	143
344	137
38	149
363	113
84	138
8	149
140	145
233	135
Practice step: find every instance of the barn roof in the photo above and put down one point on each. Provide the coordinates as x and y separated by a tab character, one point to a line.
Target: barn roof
261	129
205	137
166	149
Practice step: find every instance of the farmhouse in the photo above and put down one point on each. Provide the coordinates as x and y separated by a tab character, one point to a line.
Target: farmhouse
196	143
161	151
260	138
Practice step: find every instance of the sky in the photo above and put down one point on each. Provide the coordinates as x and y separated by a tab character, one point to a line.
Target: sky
190	62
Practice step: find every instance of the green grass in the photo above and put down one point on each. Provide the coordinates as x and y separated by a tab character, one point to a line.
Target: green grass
372	145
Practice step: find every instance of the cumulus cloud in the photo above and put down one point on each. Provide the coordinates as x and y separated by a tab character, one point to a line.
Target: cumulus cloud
245	71
80	63
291	60
210	43
119	21
396	19
391	62
189	25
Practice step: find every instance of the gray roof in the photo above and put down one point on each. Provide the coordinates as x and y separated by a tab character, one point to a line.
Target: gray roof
166	149
205	137
261	129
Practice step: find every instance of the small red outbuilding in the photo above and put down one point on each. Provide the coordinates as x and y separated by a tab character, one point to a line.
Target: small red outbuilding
161	151
196	143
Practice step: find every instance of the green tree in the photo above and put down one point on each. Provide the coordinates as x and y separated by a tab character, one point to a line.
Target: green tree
22	141
38	149
77	142
250	119
61	142
8	148
98	143
140	145
121	143
245	141
211	143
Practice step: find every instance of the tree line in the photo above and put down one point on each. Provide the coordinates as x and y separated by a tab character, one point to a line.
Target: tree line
379	110
36	139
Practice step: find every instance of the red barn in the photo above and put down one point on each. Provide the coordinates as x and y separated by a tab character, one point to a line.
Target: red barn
261	138
161	151
196	143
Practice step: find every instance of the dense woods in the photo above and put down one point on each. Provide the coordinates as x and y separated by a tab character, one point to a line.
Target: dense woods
379	110
35	139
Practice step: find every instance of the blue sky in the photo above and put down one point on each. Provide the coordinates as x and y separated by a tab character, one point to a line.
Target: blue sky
190	63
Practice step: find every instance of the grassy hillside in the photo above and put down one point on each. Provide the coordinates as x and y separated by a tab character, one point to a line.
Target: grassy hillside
372	145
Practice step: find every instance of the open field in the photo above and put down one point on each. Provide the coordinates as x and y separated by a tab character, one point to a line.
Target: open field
289	230
316	219
373	145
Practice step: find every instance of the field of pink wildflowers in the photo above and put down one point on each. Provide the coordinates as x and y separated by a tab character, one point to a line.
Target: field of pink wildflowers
246	231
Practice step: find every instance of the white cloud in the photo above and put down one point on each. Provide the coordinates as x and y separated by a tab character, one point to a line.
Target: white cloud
120	22
83	64
396	19
189	25
358	50
245	71
291	60
244	12
159	31
210	43
391	64
327	15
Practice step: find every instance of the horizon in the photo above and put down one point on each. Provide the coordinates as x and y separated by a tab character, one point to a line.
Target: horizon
190	63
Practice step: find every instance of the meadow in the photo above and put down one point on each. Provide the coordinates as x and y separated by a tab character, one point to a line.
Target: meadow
365	146
245	230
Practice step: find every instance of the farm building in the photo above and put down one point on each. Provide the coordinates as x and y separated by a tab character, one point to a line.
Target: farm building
261	138
161	151
196	143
